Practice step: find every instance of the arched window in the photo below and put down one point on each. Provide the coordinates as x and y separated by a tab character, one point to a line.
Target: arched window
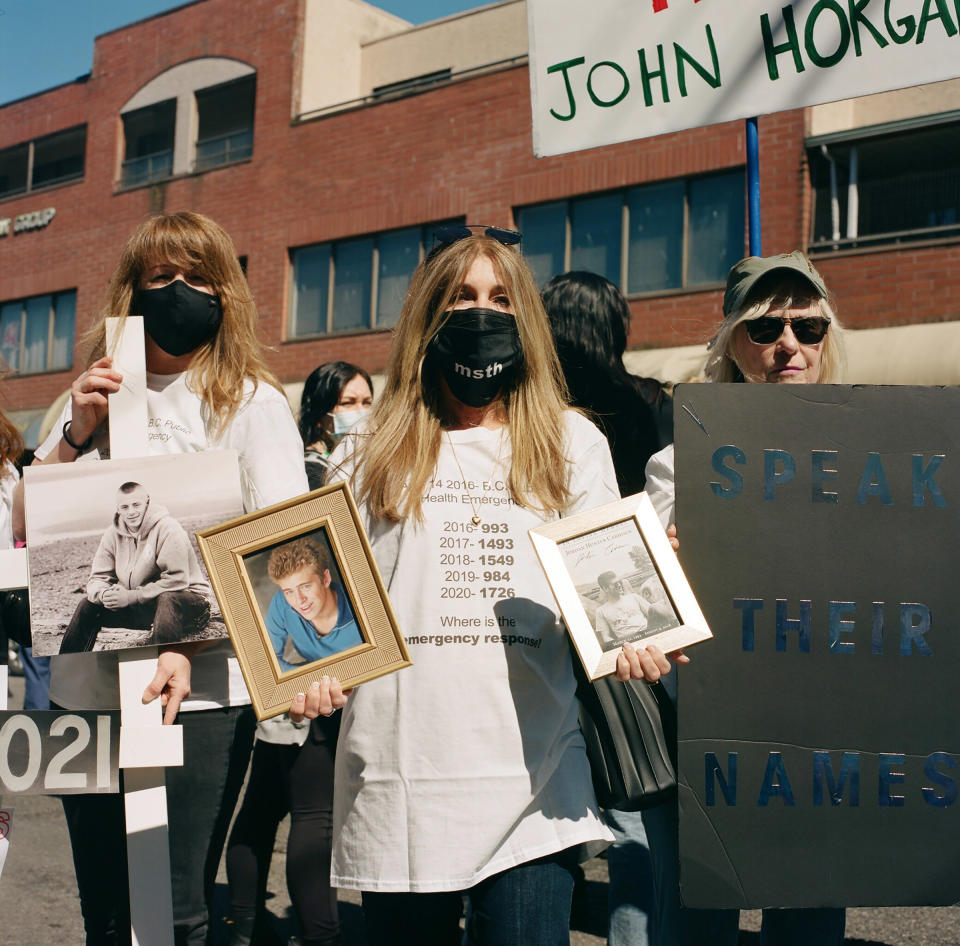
195	116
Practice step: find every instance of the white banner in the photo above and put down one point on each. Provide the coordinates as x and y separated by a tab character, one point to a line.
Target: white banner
614	70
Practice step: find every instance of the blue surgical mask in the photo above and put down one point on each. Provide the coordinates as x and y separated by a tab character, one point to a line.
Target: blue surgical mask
345	421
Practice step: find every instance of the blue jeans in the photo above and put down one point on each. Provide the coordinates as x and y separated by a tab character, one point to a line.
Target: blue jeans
529	903
680	926
201	795
630	895
36	677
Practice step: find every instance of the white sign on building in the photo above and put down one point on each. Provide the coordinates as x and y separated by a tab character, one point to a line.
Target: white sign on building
614	70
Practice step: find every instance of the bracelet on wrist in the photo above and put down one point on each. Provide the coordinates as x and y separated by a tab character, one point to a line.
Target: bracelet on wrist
79	447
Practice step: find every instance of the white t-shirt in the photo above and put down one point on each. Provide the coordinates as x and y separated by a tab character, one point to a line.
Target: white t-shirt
471	761
660	485
265	436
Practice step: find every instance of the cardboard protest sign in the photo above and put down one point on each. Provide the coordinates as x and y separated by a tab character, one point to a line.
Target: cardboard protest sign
818	743
615	70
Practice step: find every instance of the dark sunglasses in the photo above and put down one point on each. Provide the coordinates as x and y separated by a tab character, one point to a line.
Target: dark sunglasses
768	328
460	231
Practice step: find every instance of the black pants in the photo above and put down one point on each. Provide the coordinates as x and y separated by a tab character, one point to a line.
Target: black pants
298	780
173	615
201	795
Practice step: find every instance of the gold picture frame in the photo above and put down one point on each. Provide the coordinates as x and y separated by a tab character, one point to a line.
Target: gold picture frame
238	554
617	580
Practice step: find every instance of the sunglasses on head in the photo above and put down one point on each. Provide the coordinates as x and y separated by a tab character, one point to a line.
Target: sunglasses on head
768	328
460	231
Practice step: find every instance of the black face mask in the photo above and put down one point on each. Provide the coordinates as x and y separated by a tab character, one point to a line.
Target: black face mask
478	352
178	317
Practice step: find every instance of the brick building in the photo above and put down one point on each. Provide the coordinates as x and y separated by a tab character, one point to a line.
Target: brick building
330	137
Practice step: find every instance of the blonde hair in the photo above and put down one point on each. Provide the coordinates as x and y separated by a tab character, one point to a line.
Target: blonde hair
399	453
11	444
195	243
788	291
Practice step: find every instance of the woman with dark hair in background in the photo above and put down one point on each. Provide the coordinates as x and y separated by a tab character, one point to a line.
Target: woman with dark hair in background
590	320
335	397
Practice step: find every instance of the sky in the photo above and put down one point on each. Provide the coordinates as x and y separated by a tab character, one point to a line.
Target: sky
44	43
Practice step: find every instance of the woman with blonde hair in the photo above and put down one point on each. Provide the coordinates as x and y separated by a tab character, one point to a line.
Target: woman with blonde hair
779	327
466	774
208	388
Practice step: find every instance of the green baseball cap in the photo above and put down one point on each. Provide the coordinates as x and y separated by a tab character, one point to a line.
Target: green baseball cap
748	272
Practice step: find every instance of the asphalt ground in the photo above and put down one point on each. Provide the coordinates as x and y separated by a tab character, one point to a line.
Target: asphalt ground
39	905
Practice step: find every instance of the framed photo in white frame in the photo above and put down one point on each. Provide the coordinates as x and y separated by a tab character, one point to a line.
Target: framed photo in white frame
617	580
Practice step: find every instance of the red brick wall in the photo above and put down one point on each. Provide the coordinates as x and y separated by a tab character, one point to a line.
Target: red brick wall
463	149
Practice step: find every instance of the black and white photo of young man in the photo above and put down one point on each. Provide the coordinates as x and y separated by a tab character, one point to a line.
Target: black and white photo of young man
144	576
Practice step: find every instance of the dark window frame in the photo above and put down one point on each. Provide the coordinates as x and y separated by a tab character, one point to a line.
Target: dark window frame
900	179
373	322
151	166
625	194
30	147
236	146
50	366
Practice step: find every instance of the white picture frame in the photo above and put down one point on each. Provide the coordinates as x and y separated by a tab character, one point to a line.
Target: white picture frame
616	580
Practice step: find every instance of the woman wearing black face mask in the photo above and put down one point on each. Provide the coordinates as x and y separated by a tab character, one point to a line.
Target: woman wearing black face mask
466	773
207	388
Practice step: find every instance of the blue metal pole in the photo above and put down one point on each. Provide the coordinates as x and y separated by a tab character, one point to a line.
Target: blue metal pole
753	187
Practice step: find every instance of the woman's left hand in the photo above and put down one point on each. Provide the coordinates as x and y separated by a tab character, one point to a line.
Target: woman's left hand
323	698
172	680
646	663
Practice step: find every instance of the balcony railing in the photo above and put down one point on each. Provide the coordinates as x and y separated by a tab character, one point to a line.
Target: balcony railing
150	167
224	149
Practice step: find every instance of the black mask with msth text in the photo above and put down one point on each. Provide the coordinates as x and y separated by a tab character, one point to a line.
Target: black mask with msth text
178	317
478	353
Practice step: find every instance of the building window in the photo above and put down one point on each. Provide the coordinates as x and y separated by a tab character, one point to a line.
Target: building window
355	285
885	188
674	235
148	143
43	162
36	334
225	123
416	84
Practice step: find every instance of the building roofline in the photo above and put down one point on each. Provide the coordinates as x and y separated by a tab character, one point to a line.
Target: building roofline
146	19
53	88
443	19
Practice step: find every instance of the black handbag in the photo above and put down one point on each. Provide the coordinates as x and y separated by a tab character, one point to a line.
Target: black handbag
631	734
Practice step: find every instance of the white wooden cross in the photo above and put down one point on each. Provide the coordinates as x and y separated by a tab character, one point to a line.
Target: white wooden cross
146	745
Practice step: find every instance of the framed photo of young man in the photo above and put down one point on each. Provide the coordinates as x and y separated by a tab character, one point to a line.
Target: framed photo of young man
617	580
302	598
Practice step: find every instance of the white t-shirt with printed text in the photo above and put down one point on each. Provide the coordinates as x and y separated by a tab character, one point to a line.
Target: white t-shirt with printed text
471	761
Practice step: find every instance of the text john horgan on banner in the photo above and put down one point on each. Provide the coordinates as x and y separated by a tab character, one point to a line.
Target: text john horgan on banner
615	70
